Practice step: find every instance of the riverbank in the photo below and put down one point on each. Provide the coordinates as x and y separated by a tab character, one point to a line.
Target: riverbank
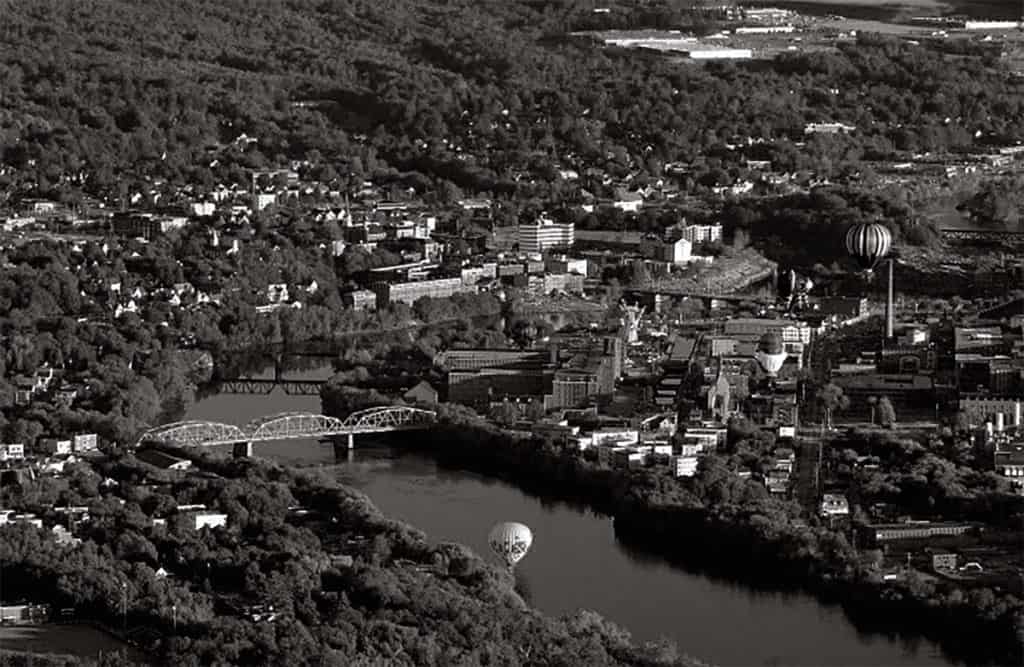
742	535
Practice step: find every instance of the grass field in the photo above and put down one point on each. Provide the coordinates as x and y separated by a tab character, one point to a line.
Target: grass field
78	640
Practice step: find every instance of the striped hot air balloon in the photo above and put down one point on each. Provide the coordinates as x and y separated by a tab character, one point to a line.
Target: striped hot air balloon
868	243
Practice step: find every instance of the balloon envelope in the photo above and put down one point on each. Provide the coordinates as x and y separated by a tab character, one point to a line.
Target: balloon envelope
772	363
771	343
510	541
868	244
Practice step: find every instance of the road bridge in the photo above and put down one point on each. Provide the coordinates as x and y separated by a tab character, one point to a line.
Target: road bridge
289	426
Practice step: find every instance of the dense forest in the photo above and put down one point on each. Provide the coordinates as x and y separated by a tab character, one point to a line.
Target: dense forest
465	96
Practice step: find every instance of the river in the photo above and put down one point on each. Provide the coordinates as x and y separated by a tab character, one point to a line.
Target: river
576	561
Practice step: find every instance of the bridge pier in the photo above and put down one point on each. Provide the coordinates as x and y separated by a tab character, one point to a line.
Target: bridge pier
346	447
242	450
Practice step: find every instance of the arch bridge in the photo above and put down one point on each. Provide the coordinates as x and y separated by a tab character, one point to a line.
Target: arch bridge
289	426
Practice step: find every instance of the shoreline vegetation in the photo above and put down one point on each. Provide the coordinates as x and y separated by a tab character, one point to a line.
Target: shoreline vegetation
346	584
743	535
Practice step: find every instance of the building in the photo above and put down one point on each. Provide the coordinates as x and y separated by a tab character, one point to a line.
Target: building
907	391
982	409
675	252
572	388
24	614
476	377
470	360
709	53
409	293
828	128
1009	462
421	393
544	234
751	328
163	460
12	452
914	530
562	282
484	386
702	233
834	504
84	442
944	562
360	299
210	520
565	264
146	225
684	466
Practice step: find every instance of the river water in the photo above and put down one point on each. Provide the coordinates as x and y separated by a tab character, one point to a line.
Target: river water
576	561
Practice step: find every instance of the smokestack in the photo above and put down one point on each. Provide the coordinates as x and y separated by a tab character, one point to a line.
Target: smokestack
1016	414
988	431
889	307
1000	422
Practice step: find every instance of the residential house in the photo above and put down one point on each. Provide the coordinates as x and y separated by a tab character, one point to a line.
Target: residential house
361	299
276	293
12	452
63	537
210	520
834	504
421	393
84	442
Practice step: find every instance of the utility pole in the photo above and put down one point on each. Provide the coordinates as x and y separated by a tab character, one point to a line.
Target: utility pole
174	617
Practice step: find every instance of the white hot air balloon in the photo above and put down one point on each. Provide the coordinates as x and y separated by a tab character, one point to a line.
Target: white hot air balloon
771	354
510	541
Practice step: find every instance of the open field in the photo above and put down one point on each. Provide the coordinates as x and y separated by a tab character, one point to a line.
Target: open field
889	9
79	640
936	5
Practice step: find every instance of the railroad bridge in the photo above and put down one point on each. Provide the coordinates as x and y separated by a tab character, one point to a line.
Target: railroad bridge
267	385
289	426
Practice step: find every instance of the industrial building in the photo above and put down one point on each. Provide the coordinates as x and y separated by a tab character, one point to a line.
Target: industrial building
409	292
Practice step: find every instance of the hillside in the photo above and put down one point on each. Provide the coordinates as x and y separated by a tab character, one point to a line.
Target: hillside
440	96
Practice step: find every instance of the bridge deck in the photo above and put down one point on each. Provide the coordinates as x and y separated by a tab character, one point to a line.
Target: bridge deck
291	426
312	435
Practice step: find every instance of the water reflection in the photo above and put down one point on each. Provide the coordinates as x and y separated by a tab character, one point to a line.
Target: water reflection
523	586
579	561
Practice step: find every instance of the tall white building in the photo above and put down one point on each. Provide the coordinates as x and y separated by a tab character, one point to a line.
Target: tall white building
536	237
702	233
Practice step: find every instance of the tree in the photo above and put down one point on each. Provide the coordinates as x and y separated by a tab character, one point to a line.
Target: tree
886	412
831	398
505	413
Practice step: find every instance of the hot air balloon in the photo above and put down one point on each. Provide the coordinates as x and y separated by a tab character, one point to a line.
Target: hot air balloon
868	243
770	353
510	541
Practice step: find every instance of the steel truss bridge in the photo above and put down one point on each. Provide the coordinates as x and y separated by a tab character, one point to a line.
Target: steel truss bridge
289	426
